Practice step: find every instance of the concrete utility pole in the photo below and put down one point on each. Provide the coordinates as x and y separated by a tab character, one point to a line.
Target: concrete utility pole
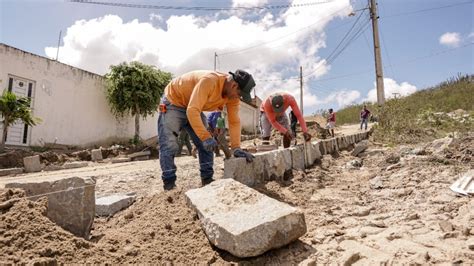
59	43
301	89
378	57
215	60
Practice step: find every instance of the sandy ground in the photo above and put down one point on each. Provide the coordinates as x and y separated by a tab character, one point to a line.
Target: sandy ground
389	206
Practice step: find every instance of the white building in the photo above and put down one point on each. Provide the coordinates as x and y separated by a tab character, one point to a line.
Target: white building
71	103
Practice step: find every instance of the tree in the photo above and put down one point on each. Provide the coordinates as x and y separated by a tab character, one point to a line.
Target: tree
12	109
135	89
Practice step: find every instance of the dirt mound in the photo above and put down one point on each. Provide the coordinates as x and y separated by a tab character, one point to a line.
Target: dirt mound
28	236
13	158
158	228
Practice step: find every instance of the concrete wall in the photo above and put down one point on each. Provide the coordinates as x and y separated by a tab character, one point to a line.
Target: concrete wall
248	117
71	102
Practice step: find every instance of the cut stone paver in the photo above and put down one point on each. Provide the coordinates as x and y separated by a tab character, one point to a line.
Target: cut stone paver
32	163
96	155
71	201
242	221
109	205
72	165
139	154
11	171
360	147
121	160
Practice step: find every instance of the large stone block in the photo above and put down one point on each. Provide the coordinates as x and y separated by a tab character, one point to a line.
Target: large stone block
297	157
265	166
32	163
109	205
242	221
71	201
11	171
360	147
312	153
96	155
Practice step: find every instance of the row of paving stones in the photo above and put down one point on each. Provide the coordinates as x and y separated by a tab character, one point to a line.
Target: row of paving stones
33	163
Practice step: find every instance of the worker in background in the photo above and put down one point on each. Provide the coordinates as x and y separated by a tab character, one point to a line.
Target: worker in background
364	117
272	115
222	134
212	122
184	100
183	139
331	122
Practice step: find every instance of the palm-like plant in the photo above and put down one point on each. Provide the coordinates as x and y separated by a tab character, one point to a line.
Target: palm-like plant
12	109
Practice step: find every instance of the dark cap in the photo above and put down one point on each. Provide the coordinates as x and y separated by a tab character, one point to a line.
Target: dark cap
246	84
277	103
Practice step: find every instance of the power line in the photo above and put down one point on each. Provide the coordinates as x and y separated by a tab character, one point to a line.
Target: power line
426	10
199	8
285	36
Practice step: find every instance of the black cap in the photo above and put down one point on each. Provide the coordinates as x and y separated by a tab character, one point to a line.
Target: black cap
246	84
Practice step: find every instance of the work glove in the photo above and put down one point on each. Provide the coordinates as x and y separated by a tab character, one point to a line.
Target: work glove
243	154
307	136
210	144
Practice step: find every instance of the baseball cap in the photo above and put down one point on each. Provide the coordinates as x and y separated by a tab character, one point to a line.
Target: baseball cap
277	103
246	84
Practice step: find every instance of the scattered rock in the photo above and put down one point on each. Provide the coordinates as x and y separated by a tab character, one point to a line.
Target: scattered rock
354	164
376	182
360	147
350	258
393	158
446	226
394	166
470	244
363	212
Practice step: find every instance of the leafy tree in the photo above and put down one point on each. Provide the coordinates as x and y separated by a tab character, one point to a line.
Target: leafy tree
12	109
135	89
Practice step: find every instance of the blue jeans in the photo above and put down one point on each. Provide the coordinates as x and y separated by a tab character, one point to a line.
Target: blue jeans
364	121
169	125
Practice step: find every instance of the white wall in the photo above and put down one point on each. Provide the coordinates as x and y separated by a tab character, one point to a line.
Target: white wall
70	102
248	117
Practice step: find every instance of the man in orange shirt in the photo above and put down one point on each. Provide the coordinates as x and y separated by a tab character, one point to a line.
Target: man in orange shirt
272	114
183	102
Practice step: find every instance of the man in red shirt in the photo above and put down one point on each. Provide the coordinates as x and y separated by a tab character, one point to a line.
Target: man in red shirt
272	114
331	122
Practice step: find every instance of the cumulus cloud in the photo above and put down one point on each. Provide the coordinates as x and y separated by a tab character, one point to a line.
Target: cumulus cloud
342	98
186	42
452	39
392	88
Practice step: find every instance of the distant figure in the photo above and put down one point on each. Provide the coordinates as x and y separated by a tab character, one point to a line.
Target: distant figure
293	122
331	122
183	139
212	123
272	115
221	135
364	117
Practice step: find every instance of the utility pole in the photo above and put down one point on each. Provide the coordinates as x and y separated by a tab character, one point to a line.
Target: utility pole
378	57
59	43
215	60
301	89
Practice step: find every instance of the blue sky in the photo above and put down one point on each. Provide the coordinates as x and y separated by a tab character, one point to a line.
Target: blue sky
424	42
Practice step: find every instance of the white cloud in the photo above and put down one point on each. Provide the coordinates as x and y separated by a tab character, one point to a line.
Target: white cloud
342	98
187	43
452	39
392	88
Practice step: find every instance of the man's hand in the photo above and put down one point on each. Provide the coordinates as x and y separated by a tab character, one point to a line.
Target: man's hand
288	135
307	136
209	144
243	154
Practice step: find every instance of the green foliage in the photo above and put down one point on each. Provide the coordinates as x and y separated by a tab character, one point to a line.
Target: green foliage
135	88
12	109
428	114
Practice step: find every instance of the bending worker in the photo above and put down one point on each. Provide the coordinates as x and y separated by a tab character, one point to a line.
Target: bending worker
272	114
183	102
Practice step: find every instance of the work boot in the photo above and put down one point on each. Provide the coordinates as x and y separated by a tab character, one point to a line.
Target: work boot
169	186
206	181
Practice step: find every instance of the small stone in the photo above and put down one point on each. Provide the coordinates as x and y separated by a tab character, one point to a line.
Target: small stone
362	212
393	158
350	258
128	215
446	226
413	216
379	224
470	244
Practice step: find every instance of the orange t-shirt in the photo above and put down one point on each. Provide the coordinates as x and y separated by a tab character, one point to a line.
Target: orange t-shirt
199	91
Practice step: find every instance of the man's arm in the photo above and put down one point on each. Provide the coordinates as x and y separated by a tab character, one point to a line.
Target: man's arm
197	101
233	107
298	114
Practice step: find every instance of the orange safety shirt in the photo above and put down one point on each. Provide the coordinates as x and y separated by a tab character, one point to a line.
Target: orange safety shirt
199	91
288	101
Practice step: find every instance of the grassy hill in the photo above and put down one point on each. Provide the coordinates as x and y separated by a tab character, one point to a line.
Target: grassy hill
421	113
